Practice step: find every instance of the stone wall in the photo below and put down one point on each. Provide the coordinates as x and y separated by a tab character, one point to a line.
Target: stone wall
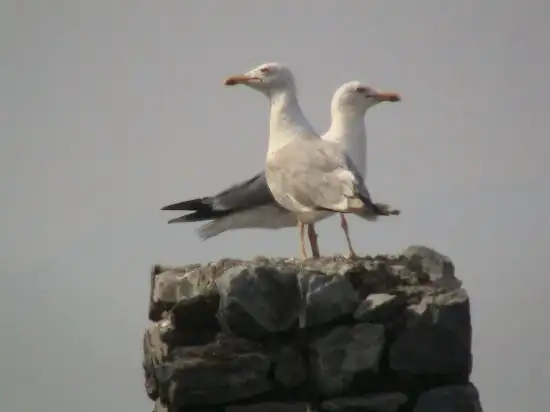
379	334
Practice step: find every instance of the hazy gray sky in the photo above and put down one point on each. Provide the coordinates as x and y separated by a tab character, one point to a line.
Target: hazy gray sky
111	109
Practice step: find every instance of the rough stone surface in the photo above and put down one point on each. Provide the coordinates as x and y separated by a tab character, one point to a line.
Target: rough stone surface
376	334
378	307
438	267
290	368
159	407
154	353
344	352
384	402
270	407
325	298
225	370
257	300
437	338
449	399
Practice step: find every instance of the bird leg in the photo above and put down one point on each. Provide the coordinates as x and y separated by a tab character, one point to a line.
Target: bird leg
301	227
344	225
312	235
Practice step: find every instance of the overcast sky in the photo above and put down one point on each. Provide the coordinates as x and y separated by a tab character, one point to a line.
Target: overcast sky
111	109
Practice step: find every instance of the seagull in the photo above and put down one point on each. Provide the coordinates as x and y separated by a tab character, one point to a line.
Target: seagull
306	175
348	108
250	204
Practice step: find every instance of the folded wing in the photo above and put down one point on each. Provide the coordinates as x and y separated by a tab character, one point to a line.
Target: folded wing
251	193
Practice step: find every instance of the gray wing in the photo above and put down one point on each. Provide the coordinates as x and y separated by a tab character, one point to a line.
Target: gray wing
314	174
249	194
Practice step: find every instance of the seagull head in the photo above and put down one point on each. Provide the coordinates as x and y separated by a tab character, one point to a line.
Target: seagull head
266	78
360	96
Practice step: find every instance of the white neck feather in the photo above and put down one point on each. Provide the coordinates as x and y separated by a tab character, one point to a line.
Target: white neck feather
348	129
286	120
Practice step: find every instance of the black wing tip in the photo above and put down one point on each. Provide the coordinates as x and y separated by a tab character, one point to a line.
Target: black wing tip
385	210
200	203
180	219
199	216
191	217
168	207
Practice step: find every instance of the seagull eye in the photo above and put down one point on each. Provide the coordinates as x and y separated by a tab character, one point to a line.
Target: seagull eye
361	89
264	69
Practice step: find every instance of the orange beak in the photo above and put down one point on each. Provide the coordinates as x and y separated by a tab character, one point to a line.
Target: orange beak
239	79
388	97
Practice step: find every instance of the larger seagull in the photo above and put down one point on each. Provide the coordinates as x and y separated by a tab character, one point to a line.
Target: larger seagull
250	204
306	174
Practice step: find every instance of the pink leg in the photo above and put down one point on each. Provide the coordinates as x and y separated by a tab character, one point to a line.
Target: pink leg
344	225
303	253
313	240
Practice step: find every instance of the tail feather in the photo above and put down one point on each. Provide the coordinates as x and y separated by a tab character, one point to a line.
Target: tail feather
384	209
193	204
194	217
376	209
202	208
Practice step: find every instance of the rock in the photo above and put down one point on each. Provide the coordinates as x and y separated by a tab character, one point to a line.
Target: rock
170	284
270	407
384	402
327	334
258	299
154	353
370	276
159	407
156	309
449	399
326	298
344	352
194	319
378	307
226	370
290	368
438	337
438	267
